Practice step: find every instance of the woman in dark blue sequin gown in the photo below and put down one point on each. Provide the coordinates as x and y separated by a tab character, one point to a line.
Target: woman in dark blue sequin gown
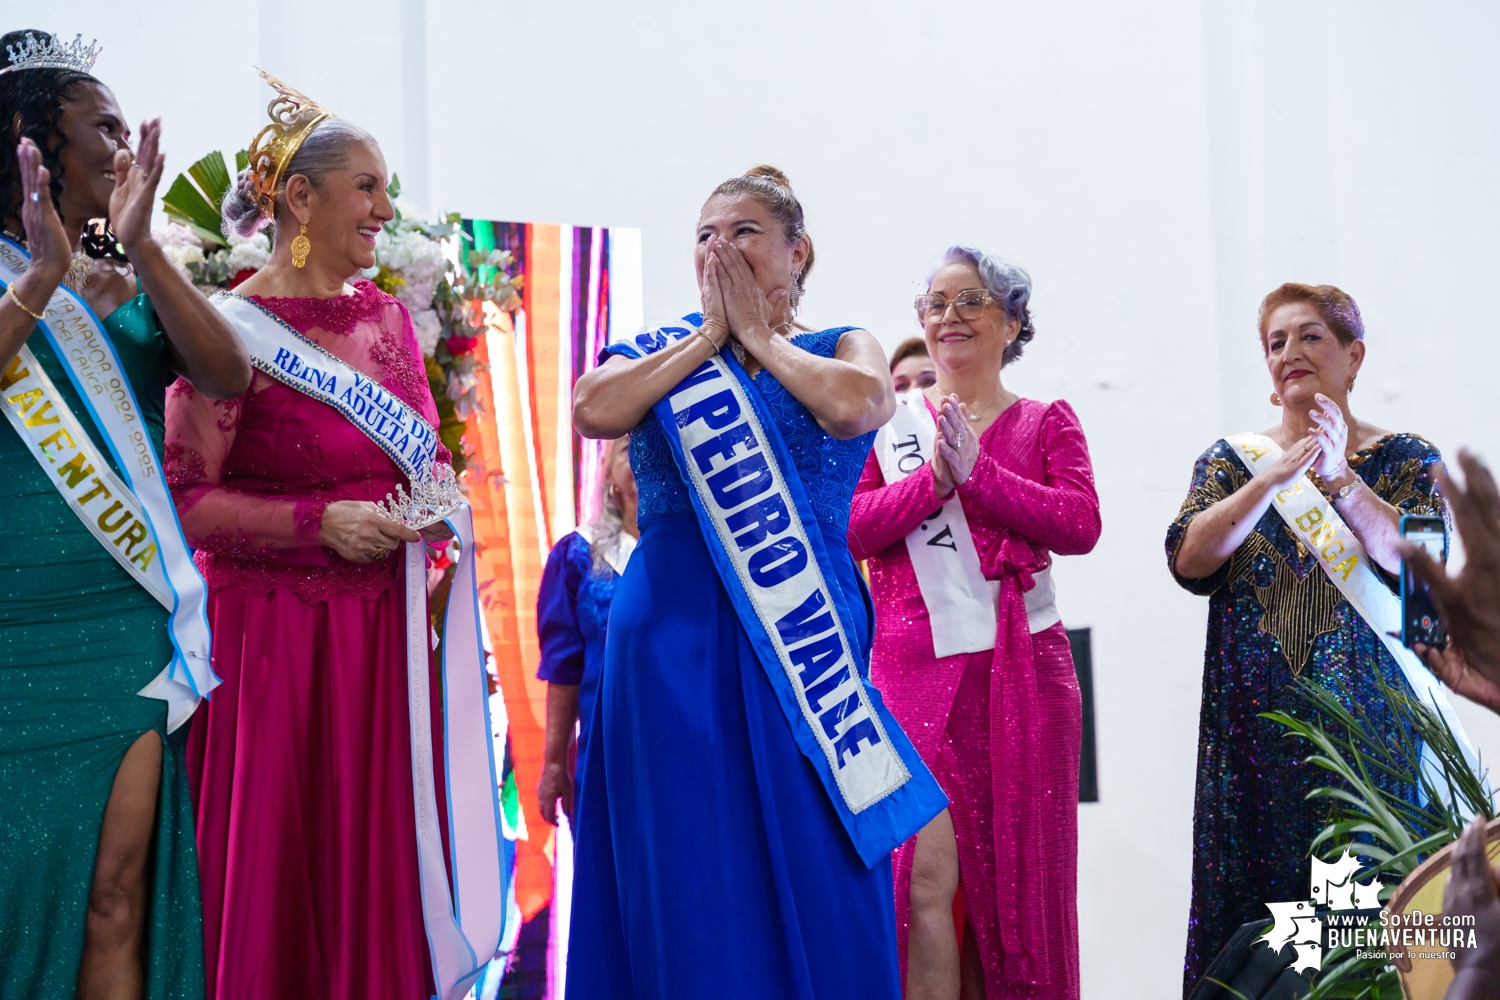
710	861
1274	614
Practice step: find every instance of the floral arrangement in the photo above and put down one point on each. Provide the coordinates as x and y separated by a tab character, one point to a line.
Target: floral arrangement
417	260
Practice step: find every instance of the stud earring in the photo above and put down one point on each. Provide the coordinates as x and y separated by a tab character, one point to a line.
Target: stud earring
301	247
1275	399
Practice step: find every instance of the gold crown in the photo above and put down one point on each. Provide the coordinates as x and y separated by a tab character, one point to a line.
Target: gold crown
293	117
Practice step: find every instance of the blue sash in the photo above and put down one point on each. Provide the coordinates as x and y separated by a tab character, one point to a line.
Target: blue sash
769	552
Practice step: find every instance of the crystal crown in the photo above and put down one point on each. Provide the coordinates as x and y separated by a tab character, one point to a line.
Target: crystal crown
429	501
33	53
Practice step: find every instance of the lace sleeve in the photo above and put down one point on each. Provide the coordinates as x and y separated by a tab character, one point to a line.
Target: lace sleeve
200	434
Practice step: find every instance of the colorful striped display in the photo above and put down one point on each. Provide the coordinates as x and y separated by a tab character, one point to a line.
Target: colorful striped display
531	479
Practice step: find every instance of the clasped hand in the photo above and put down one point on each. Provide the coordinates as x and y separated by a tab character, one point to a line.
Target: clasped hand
733	302
957	447
358	531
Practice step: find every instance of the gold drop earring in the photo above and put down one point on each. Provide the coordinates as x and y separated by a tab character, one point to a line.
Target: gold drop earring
1275	399
301	247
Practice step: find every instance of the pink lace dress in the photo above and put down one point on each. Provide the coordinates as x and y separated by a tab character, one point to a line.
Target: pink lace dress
999	728
300	763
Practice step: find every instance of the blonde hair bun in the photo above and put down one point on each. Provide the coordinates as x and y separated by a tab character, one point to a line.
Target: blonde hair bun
770	173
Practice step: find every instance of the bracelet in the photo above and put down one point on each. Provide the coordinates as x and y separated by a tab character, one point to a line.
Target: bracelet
711	342
10	290
1343	493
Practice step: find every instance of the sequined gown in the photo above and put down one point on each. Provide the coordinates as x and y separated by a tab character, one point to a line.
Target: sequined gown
710	862
301	761
78	638
1000	728
1273	615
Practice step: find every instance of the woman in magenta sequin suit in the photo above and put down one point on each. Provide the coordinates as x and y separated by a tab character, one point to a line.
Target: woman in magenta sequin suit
300	765
1000	728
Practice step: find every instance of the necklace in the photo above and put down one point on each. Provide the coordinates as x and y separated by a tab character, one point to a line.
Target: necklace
80	268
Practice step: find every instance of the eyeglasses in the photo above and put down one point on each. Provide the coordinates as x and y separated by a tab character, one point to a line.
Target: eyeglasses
969	305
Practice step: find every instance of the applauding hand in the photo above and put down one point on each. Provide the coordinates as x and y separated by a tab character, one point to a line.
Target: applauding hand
957	447
134	195
51	250
1331	433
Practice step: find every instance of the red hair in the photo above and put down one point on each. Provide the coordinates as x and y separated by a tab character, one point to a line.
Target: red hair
1339	311
910	348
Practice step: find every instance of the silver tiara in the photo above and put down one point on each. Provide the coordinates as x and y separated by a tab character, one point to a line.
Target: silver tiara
429	501
52	54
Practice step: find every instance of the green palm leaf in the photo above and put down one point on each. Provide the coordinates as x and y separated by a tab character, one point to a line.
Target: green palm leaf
194	199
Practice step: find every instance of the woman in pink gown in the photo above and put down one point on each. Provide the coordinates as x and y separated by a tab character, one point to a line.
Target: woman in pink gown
301	764
1001	727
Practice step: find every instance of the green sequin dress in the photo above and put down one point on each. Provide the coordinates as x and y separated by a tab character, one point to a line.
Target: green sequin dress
78	639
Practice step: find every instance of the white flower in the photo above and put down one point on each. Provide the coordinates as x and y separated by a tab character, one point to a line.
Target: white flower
175	234
410	209
182	256
248	254
428	329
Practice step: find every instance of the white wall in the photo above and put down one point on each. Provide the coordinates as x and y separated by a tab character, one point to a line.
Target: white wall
1157	166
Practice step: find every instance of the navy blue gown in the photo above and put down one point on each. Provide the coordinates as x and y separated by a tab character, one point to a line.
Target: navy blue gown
710	862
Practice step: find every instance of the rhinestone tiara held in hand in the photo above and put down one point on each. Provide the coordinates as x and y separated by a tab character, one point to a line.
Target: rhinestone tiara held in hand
52	54
430	500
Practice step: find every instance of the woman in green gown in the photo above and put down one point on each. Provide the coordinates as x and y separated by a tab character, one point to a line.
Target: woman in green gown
98	870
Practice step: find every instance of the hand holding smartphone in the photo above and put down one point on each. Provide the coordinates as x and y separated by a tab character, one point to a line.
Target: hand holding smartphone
1419	617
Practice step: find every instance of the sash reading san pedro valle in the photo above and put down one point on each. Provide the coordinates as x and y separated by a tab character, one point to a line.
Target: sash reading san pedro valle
464	915
770	556
133	518
1315	522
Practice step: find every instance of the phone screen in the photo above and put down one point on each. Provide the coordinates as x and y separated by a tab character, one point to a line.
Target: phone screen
1419	617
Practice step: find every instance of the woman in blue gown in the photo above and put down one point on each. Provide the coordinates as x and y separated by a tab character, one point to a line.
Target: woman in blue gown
711	859
572	610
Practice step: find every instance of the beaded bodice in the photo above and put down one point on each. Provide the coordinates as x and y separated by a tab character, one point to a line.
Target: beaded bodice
829	468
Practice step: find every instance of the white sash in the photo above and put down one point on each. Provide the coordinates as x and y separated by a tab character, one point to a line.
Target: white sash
464	916
1317	524
960	601
133	519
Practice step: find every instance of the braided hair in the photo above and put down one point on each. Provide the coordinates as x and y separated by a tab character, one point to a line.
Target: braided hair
36	96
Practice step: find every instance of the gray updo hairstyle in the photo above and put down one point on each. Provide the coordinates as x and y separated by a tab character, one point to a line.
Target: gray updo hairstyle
324	151
1007	283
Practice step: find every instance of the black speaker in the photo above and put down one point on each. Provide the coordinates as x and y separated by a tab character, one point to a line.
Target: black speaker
1250	970
1083	662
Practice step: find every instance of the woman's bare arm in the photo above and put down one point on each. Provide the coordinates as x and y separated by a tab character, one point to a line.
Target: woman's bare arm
1213	535
50	248
204	348
848	394
616	396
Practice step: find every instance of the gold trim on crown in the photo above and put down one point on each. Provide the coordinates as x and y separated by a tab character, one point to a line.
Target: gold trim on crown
293	117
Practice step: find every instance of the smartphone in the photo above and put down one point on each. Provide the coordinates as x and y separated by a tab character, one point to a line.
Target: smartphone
1419	617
